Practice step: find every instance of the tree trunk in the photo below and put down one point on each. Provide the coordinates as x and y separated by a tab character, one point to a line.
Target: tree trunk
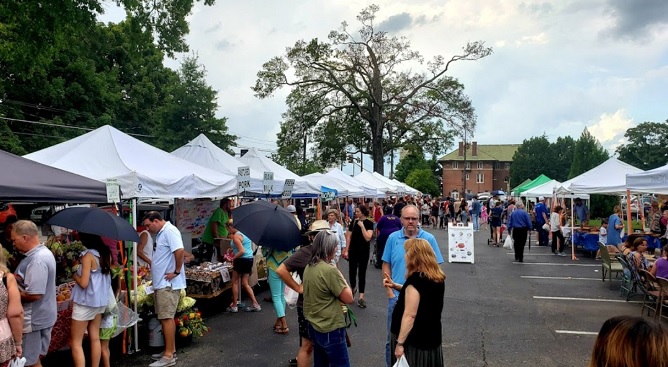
377	153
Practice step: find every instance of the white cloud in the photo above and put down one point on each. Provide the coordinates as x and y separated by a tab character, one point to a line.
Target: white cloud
537	39
610	128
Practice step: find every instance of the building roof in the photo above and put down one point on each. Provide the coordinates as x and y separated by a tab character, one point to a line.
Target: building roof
492	152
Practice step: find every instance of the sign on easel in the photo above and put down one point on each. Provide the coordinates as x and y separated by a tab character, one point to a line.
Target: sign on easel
113	191
460	243
268	182
287	188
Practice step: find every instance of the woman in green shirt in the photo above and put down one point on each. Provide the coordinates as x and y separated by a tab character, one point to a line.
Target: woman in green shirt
215	228
325	289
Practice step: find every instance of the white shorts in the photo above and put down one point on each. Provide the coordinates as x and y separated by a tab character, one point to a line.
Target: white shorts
86	313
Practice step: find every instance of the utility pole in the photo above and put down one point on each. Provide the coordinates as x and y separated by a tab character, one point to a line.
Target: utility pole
389	130
361	157
304	156
464	176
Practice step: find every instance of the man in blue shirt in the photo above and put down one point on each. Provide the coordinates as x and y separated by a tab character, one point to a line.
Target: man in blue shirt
475	213
519	224
394	261
542	215
581	212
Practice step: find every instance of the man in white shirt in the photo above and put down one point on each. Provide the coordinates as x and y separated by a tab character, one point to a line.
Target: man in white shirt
168	273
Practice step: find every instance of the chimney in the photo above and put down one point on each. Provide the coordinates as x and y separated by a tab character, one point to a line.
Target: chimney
243	151
474	149
461	149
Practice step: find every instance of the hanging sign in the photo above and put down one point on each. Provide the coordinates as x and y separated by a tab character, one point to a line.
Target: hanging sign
243	178
287	188
327	194
268	182
113	191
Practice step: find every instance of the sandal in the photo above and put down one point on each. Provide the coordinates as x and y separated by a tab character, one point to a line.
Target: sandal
281	330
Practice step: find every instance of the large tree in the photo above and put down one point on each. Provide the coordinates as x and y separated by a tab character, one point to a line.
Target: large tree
530	159
588	154
366	80
646	146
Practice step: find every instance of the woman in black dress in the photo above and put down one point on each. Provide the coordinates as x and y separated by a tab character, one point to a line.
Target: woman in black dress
416	320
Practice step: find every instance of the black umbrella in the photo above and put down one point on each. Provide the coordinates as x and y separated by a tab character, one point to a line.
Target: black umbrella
268	225
95	221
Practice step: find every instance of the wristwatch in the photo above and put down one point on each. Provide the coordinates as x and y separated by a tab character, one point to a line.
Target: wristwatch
177	272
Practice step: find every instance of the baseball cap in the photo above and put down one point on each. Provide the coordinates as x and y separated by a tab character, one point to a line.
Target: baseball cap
291	209
541	198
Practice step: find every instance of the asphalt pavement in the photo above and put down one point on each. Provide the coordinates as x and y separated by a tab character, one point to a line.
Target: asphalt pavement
543	312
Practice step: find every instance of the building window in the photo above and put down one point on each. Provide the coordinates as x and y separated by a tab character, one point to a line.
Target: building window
455	195
505	179
481	165
480	178
467	177
497	165
455	165
468	164
507	165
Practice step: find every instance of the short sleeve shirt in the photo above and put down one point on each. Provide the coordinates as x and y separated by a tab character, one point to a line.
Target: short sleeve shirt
219	216
393	254
297	263
357	240
387	225
36	274
614	234
322	287
540	209
167	242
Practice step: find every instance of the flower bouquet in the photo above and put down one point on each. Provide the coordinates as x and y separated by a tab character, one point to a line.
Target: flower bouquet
190	323
67	259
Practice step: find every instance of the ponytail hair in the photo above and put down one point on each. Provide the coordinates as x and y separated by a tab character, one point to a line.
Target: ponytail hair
94	242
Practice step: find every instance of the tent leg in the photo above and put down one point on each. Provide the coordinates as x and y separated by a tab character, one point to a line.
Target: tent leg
134	271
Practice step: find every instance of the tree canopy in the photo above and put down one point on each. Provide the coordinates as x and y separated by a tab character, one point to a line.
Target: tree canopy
646	145
423	180
538	156
363	85
62	73
588	154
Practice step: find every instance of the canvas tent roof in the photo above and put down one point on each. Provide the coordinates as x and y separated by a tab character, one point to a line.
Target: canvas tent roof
521	184
369	190
342	187
369	179
547	190
535	182
654	181
397	184
259	164
142	170
204	152
26	180
608	177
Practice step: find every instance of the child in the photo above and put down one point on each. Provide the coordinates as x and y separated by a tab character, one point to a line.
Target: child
483	214
603	237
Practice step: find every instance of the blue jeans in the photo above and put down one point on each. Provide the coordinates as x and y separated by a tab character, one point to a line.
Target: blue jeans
277	288
465	218
329	349
391	302
476	222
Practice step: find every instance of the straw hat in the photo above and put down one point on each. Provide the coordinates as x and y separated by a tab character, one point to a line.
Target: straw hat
317	226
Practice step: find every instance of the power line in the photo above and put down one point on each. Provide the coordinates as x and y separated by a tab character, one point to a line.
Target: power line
64	126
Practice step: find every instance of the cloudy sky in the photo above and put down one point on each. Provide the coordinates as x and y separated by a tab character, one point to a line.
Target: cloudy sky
558	66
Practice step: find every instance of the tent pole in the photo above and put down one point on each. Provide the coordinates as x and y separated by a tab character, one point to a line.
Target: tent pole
134	271
572	232
629	228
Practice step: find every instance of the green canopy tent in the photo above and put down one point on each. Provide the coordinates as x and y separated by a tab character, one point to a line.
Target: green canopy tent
528	180
536	182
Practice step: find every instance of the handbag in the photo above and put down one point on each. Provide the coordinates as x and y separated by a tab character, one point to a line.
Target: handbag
546	227
401	362
508	244
17	362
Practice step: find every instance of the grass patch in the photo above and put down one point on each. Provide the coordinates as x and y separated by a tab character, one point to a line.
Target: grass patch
596	223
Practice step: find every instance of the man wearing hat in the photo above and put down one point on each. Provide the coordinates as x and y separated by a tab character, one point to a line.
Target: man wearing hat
297	263
542	215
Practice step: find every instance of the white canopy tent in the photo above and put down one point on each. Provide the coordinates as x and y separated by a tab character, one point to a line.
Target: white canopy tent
369	190
608	177
409	190
142	170
204	152
548	189
342	187
259	164
654	181
369	179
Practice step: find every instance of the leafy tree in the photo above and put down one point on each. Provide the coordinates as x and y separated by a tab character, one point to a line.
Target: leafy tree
530	159
363	77
646	147
190	110
588	154
562	158
412	161
423	179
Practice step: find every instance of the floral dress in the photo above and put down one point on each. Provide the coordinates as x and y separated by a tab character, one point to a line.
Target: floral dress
7	348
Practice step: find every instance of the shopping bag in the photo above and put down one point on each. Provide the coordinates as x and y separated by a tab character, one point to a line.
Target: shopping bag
17	362
290	294
401	362
508	243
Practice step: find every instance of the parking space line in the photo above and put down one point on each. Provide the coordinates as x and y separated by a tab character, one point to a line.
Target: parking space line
529	254
576	332
585	299
565	264
557	278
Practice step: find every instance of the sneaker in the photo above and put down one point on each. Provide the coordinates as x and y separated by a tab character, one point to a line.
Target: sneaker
361	303
163	362
562	254
254	308
232	309
159	355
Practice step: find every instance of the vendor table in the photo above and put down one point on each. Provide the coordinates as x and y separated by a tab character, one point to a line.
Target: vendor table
588	241
207	281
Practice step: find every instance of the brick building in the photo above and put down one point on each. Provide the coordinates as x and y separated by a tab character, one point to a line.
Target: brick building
484	168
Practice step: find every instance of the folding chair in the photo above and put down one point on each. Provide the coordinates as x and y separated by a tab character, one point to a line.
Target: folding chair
663	296
607	265
648	287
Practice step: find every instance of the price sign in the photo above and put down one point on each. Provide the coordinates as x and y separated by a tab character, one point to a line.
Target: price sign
287	188
149	289
268	182
328	195
243	178
113	190
225	274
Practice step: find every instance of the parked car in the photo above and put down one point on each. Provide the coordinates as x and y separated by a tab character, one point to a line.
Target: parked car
6	209
37	214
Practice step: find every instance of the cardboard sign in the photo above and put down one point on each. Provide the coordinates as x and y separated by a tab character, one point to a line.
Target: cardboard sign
268	182
243	178
287	188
